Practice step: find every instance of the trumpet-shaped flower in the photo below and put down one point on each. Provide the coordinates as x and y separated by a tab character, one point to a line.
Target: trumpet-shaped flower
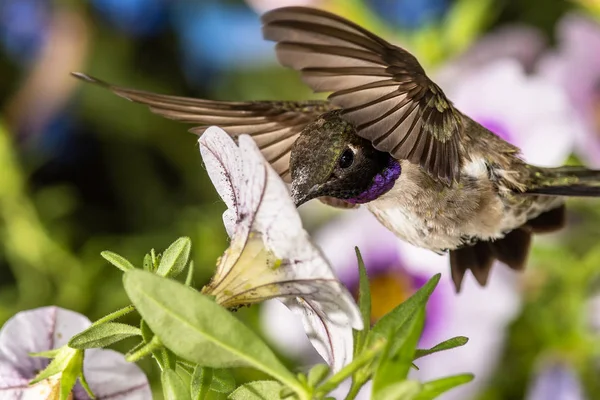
108	374
271	255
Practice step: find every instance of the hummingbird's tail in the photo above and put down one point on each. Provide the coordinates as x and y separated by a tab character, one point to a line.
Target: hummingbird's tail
565	181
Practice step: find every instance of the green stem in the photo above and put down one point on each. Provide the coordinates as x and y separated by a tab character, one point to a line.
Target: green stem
354	389
350	369
147	349
114	315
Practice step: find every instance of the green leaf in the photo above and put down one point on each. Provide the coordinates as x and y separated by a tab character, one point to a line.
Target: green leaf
432	389
405	390
147	264
222	381
395	364
190	274
317	374
69	376
173	386
118	261
364	304
197	329
175	258
445	345
390	322
57	365
103	335
464	22
258	390
200	383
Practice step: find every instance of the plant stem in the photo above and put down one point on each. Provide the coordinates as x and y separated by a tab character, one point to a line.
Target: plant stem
114	315
349	369
147	349
354	389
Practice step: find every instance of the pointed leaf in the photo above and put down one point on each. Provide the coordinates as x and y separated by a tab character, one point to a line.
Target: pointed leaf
258	390
445	345
405	390
364	304
222	381
390	322
433	389
200	383
190	274
118	261
175	258
147	264
103	335
69	376
395	365
173	386
197	329
57	365
317	374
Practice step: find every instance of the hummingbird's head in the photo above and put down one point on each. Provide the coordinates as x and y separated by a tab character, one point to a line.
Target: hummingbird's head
330	159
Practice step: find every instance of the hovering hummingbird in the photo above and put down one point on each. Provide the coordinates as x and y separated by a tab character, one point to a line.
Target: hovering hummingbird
388	137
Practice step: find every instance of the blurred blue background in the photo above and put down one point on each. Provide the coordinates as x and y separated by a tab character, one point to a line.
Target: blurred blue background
82	171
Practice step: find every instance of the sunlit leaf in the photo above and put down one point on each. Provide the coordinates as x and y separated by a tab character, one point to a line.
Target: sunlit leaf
103	335
404	390
431	390
175	258
445	345
395	363
258	390
173	386
118	261
364	304
390	322
197	329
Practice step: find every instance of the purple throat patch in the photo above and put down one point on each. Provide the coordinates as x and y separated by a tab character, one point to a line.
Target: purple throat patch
382	183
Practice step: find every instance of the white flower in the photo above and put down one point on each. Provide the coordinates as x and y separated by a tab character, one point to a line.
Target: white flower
47	328
271	255
530	111
481	314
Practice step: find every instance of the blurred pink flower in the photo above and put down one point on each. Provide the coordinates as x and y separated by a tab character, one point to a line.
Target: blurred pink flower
530	111
396	270
47	328
575	66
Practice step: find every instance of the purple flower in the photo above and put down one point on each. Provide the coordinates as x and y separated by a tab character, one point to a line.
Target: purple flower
134	17
47	328
555	382
575	66
396	270
530	111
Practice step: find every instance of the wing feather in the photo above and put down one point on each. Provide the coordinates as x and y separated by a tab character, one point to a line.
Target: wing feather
274	126
381	88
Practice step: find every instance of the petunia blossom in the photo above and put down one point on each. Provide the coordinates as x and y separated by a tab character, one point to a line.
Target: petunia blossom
396	270
555	381
271	255
575	66
106	371
530	111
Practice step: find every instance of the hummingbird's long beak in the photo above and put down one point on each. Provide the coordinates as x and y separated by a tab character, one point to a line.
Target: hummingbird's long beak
302	196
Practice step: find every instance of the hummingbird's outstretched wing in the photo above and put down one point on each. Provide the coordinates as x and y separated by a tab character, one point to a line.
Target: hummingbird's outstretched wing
382	88
274	125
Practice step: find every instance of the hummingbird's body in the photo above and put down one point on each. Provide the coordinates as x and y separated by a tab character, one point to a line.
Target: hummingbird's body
389	138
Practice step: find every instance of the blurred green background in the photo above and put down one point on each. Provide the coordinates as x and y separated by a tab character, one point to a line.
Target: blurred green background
83	171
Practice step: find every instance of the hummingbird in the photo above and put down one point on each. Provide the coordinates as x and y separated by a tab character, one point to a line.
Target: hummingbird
388	138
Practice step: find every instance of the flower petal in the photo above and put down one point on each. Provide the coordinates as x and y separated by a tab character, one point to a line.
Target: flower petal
34	331
111	377
330	334
238	178
556	382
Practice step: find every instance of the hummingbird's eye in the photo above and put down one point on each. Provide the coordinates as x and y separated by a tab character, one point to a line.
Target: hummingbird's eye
346	159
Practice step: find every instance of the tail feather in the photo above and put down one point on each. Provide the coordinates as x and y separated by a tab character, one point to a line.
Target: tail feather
565	181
